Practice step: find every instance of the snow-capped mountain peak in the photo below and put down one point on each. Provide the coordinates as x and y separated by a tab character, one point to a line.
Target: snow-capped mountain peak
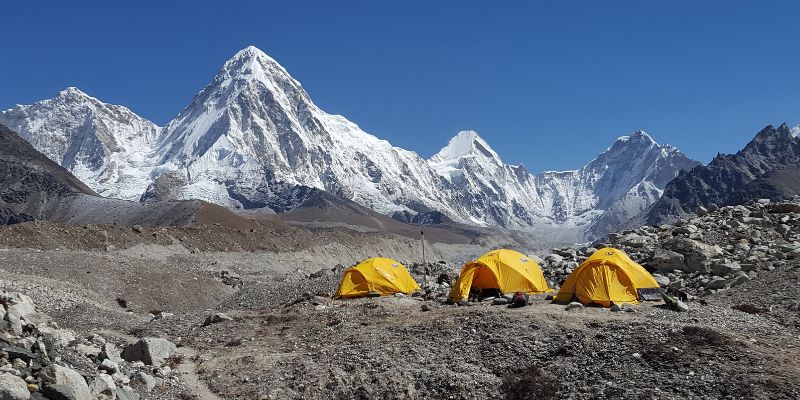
251	63
72	92
796	131
106	146
465	144
254	131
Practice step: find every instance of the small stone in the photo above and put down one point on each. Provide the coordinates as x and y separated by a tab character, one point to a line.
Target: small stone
109	366
716	283
217	318
425	307
149	382
573	306
500	301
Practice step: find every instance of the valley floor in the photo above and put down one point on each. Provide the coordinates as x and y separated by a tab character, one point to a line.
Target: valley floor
289	340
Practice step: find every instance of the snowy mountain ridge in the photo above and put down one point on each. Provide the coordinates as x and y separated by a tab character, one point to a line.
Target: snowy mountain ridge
106	146
254	130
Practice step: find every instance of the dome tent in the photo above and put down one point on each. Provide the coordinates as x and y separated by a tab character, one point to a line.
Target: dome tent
608	276
382	276
508	271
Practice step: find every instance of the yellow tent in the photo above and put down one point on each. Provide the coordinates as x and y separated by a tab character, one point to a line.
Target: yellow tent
379	275
608	276
506	270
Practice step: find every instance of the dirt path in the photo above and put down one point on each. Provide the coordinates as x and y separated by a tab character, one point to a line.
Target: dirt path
187	368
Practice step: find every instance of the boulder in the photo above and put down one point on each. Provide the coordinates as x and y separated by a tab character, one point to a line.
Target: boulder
67	381
15	352
126	393
18	306
740	278
109	366
13	388
634	240
58	392
696	254
716	283
102	385
554	260
148	381
787	207
111	353
667	260
724	269
55	339
88	351
662	280
685	229
151	351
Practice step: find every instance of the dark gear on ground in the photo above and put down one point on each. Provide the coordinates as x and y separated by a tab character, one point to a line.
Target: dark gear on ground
518	300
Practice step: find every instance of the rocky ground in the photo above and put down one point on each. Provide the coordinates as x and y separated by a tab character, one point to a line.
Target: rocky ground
251	317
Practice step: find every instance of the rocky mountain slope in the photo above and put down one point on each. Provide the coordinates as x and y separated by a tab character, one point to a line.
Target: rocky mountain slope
768	167
33	186
254	131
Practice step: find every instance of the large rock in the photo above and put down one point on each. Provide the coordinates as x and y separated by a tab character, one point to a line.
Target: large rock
56	339
717	283
70	381
151	351
15	352
126	393
634	240
111	353
662	280
725	269
667	260
696	254
103	385
13	388
18	306
786	208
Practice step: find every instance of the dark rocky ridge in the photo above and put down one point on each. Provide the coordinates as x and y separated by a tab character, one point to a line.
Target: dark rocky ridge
768	167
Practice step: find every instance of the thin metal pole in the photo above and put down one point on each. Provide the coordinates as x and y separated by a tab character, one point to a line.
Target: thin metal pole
422	233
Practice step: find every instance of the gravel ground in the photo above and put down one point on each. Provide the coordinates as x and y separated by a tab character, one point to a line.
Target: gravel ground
289	340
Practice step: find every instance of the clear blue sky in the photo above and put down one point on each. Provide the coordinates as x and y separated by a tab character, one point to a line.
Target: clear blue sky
549	84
